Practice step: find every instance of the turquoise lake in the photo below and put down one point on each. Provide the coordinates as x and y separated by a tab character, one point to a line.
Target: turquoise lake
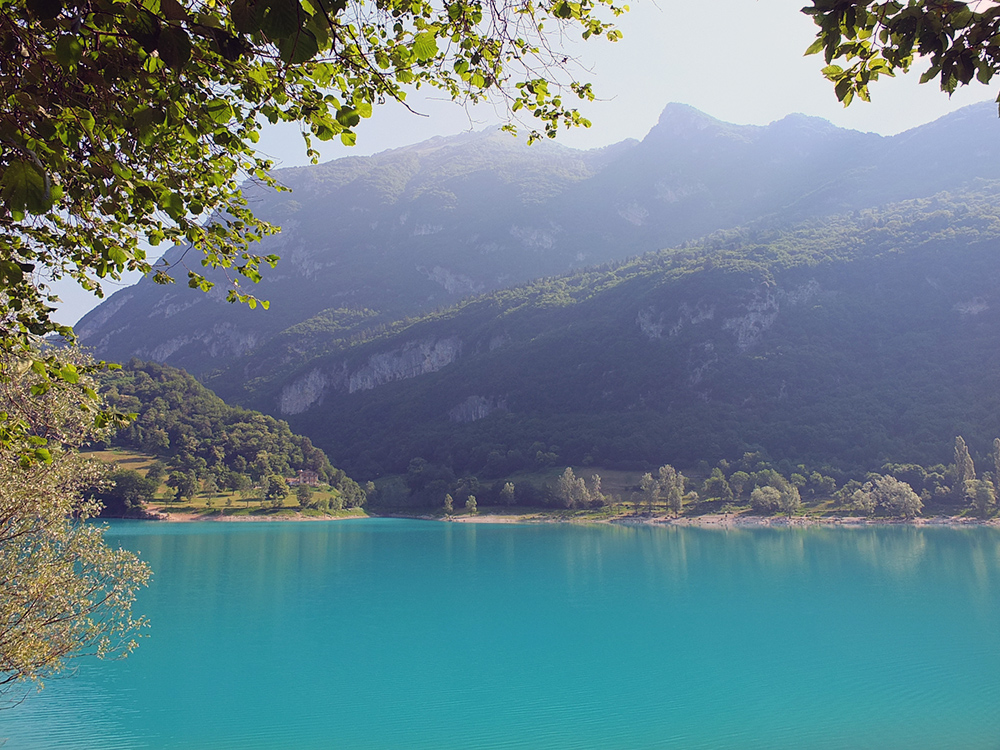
407	634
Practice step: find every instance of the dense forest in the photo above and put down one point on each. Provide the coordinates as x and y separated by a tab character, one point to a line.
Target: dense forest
204	442
841	344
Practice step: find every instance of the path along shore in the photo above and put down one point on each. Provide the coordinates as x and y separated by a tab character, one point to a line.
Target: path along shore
728	520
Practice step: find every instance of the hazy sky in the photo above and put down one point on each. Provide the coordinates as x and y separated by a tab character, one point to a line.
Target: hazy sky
738	60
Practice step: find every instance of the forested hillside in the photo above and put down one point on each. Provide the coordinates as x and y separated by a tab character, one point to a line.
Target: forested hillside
841	344
204	439
366	241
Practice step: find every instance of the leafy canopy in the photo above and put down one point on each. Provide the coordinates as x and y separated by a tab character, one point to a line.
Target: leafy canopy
127	122
872	38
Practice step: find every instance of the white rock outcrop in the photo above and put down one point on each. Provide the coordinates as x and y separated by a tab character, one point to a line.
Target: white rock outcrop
303	393
408	361
762	311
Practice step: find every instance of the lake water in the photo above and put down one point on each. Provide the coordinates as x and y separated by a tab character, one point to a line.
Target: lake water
406	634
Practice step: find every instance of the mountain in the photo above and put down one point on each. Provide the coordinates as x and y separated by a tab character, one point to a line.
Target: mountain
376	237
367	241
840	343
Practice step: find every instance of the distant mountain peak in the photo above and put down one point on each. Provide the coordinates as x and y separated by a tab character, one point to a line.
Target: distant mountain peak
797	119
676	114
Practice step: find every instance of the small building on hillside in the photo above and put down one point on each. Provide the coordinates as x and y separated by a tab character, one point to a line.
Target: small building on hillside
305	476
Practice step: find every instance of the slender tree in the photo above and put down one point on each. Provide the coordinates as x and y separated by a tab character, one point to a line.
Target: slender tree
571	490
650	489
965	471
982	495
672	486
996	466
507	494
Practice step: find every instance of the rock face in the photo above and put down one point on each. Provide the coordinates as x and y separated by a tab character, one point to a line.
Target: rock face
306	391
761	312
407	361
412	359
419	228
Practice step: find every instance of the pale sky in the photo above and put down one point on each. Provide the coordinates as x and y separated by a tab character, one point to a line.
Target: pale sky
740	61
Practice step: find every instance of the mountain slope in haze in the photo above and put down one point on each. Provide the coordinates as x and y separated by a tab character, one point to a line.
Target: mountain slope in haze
843	343
395	233
369	240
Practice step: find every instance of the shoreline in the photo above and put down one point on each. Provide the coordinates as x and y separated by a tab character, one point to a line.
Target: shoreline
724	521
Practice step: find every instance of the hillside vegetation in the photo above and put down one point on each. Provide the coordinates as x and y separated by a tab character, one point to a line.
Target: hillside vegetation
205	444
840	344
374	239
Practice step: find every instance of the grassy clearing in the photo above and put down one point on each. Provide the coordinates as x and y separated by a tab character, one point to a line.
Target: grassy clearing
125	459
217	504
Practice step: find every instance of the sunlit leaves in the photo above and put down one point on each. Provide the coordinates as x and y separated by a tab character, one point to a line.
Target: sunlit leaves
68	51
63	592
299	47
23	187
219	110
878	38
425	46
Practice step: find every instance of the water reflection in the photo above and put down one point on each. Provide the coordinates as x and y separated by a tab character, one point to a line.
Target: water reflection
393	634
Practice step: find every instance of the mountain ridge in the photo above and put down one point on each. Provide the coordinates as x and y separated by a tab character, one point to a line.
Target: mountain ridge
420	227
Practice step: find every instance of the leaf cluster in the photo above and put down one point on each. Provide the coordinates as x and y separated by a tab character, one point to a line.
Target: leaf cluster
960	40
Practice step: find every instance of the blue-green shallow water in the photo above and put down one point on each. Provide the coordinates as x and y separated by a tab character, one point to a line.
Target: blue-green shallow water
405	634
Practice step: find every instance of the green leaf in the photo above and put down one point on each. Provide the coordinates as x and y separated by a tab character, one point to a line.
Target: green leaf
930	74
69	50
816	47
348	117
24	188
562	10
299	47
173	11
246	15
282	18
425	46
348	138
174	47
145	29
220	111
173	204
842	88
